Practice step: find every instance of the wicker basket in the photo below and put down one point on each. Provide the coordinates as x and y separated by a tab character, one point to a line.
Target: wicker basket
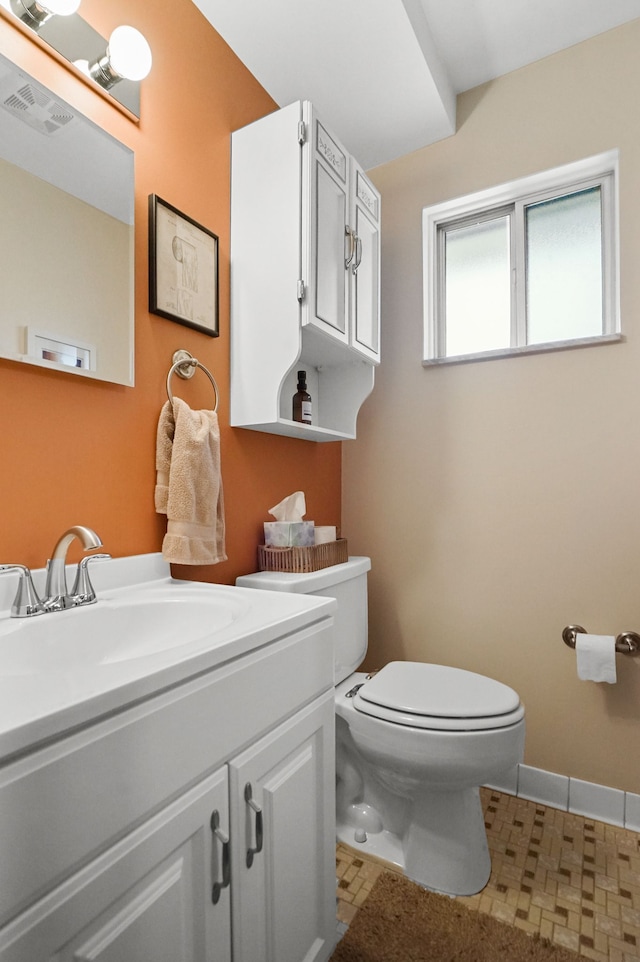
303	560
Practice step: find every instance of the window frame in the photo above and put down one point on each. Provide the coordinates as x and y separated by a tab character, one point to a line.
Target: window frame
512	198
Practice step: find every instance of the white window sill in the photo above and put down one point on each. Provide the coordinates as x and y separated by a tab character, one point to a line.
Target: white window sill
526	349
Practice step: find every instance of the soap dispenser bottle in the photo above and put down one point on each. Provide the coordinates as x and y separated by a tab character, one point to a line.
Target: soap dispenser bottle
302	406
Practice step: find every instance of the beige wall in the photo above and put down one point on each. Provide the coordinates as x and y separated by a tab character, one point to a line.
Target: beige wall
500	500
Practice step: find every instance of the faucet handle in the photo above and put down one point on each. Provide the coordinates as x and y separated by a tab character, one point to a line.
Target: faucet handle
83	592
26	602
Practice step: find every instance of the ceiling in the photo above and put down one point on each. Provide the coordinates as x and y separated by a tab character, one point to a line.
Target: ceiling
384	74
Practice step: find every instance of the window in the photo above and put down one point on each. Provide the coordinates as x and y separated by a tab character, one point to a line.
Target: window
527	266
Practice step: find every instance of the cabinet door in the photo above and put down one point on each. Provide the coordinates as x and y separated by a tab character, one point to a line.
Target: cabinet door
149	898
284	890
266	229
365	268
329	301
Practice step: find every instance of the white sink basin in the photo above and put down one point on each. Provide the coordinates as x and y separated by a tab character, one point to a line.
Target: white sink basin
148	632
114	630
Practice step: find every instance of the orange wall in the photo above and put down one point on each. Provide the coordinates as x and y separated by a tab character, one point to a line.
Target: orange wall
76	451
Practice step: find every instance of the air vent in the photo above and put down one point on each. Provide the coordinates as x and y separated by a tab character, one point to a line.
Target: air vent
35	107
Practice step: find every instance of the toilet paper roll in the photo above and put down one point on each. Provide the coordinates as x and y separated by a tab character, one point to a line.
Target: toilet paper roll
596	657
325	533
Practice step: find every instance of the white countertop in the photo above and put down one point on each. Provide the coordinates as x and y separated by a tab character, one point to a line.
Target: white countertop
36	706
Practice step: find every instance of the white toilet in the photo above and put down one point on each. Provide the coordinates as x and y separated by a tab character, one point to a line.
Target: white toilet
414	743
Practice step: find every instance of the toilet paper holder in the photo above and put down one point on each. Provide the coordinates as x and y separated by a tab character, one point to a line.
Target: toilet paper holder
627	642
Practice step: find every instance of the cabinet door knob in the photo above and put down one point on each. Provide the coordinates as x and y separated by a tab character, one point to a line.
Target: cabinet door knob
223	838
253	805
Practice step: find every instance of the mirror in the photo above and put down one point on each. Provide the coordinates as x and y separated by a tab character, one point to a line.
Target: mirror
66	236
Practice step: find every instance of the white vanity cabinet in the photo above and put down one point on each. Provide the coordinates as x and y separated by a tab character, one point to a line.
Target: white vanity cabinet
279	908
147	897
305	276
127	840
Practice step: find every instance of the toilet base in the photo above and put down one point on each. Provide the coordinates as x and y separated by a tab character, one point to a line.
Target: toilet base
444	848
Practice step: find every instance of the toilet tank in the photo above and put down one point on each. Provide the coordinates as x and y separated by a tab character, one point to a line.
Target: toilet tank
347	583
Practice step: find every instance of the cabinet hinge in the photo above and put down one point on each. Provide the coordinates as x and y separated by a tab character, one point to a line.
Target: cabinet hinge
302	132
300	290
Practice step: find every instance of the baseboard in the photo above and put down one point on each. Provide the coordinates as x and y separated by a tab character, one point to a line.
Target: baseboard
610	805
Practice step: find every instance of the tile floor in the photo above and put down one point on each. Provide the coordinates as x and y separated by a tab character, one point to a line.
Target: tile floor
574	880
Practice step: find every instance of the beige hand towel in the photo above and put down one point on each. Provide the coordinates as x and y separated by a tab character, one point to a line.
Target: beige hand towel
189	485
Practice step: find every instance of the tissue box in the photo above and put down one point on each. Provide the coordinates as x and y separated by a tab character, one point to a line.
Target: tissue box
285	534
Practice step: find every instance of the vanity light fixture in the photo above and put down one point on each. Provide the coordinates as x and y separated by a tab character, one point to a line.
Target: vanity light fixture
116	65
35	13
127	57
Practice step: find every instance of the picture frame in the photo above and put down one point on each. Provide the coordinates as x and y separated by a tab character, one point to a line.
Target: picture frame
183	268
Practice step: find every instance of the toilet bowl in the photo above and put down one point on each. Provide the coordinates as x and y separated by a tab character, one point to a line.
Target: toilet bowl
415	799
414	743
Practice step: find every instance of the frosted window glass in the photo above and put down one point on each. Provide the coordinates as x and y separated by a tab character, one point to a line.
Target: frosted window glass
477	287
564	267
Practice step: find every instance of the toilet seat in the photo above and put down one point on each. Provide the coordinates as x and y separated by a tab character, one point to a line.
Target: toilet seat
438	697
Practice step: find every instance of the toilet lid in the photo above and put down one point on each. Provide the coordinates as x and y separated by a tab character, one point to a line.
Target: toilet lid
436	696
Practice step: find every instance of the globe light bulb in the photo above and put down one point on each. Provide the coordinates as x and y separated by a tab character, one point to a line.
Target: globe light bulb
129	53
35	13
61	8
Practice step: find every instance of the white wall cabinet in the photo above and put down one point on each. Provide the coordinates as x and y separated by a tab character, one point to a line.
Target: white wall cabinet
305	276
121	852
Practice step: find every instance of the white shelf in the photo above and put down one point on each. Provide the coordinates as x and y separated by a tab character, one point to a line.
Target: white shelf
305	432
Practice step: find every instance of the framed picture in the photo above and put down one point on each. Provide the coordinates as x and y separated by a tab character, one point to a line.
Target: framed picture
183	268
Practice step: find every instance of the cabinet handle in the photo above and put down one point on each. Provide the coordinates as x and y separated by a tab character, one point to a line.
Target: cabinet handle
226	862
351	248
358	259
253	805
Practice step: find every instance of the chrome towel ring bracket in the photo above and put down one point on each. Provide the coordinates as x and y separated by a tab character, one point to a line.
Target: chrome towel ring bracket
184	365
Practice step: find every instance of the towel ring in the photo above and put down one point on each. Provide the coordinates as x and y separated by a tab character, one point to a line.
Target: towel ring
184	365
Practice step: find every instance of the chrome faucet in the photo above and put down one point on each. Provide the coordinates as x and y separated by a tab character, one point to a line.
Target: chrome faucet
57	596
